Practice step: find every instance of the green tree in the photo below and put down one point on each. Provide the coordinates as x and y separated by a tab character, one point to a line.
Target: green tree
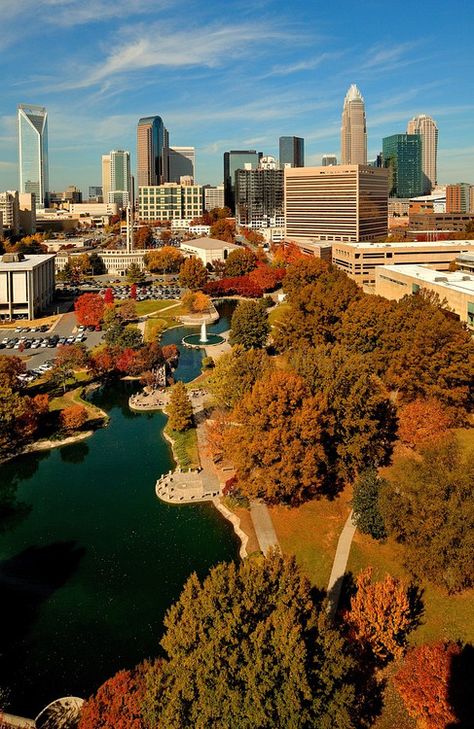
193	274
249	325
365	502
96	264
236	372
246	649
240	262
428	506
180	409
134	274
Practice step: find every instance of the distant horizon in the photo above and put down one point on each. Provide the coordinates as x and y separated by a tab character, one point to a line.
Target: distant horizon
231	78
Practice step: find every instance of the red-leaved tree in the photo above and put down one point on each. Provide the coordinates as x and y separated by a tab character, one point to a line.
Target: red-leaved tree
89	309
109	296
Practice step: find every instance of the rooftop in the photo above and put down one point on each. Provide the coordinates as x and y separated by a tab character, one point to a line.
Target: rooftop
27	264
209	244
454	280
467	244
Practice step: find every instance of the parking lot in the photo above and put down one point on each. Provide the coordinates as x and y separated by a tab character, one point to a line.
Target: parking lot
146	292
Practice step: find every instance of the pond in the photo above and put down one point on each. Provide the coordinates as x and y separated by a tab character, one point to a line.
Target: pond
94	559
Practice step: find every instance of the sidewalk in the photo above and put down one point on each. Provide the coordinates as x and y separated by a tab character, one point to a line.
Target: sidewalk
263	526
339	565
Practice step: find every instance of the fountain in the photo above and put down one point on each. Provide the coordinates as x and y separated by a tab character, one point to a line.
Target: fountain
202	340
203	333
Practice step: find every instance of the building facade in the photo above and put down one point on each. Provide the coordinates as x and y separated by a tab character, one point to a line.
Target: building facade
353	129
360	260
27	285
328	160
10	210
342	203
426	127
455	289
441	222
120	180
291	151
95	193
152	143
458	198
181	163
33	151
208	249
27	211
213	197
259	198
402	157
247	159
170	202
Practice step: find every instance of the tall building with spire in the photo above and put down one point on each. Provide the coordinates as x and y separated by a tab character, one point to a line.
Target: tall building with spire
33	151
426	127
353	129
152	152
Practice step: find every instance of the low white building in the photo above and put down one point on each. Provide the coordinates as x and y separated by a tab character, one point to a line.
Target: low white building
27	284
208	249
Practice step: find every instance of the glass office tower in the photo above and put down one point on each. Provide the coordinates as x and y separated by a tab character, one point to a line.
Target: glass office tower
402	154
246	159
291	152
152	152
33	151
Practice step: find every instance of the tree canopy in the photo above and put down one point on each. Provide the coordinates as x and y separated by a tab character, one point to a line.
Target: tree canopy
193	274
240	262
249	325
165	260
179	409
236	372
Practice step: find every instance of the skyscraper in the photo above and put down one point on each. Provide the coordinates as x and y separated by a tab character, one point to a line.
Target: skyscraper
152	143
116	178
353	129
105	177
291	152
426	127
328	160
247	159
259	196
181	163
33	151
402	156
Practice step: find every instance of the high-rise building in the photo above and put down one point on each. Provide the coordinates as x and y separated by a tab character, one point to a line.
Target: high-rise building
33	151
27	210
105	177
291	152
341	203
10	211
213	197
329	160
458	198
181	163
402	156
259	196
237	160
170	202
426	127
353	129
95	193
152	145
116	178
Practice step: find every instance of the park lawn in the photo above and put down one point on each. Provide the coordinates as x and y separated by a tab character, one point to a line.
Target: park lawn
154	328
150	307
311	533
275	315
75	397
45	320
185	447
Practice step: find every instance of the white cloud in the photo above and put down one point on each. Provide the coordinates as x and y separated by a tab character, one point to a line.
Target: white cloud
307	65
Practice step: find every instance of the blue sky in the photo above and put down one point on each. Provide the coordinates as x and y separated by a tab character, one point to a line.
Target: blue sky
230	75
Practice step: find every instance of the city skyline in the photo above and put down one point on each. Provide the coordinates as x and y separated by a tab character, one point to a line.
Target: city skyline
109	66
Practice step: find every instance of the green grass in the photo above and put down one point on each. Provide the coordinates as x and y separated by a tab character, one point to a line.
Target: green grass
75	397
154	328
149	307
185	447
275	315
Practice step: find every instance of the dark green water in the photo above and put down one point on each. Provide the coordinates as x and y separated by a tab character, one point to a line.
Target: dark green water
88	573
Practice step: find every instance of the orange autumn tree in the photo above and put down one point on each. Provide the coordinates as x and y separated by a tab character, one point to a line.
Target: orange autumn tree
73	417
89	309
380	616
423	421
424	681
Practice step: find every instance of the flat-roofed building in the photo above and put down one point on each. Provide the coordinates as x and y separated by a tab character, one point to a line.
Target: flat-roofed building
27	212
458	198
94	208
213	197
170	202
9	207
340	203
208	249
425	222
360	260
465	262
455	288
27	284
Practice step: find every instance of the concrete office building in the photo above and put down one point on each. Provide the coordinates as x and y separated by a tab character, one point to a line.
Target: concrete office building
95	193
432	223
27	284
120	188
33	151
465	262
402	157
458	198
291	151
213	197
360	260
181	163
10	209
426	127
456	288
152	146
27	212
259	196
342	203
237	160
353	129
208	249
93	208
328	160
170	202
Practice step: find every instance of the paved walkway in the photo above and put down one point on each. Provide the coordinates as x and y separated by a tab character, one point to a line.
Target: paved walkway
339	565
263	526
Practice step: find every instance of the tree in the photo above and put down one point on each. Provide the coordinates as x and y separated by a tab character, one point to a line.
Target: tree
285	254
280	417
246	649
249	325
170	352
302	272
89	309
164	260
135	274
365	502
108	296
427	505
118	704
67	360
266	277
240	262
73	417
10	368
133	292
96	264
180	409
193	274
426	687
236	372
422	422
143	238
223	229
195	302
102	361
380	616
218	214
127	311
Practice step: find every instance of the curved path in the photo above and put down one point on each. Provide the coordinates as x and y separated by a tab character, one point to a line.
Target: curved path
263	526
339	565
